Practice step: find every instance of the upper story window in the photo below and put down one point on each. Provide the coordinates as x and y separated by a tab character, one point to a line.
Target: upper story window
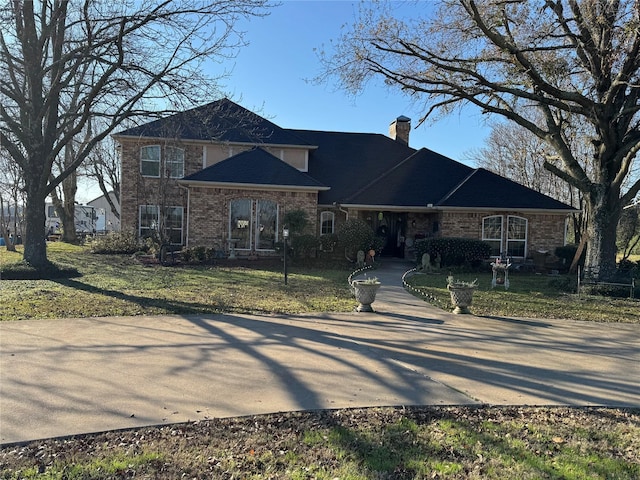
151	161
174	161
327	223
516	236
492	233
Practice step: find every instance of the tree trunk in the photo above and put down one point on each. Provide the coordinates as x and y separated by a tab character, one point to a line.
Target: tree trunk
600	264
35	245
68	215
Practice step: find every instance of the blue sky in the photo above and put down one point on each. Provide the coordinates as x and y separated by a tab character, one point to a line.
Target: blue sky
271	76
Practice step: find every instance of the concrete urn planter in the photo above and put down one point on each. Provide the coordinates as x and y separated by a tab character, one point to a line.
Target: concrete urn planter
365	293
461	297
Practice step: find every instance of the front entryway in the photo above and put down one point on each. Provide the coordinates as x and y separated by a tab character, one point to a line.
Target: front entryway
392	227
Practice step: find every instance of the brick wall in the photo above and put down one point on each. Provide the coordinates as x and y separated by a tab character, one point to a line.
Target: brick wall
544	231
209	211
137	190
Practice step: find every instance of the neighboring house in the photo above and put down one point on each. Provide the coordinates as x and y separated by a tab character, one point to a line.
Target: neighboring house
221	176
106	221
85	217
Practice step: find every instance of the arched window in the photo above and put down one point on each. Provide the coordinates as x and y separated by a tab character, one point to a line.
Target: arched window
253	224
174	162
240	223
516	236
327	223
266	224
492	233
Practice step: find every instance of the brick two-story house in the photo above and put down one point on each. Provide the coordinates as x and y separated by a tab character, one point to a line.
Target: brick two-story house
221	176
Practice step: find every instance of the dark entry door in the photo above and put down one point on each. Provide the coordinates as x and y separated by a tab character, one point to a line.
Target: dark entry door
391	226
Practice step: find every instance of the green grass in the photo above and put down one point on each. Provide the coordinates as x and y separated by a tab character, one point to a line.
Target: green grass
120	285
359	444
530	296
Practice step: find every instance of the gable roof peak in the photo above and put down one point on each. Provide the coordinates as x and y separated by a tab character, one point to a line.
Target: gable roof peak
218	121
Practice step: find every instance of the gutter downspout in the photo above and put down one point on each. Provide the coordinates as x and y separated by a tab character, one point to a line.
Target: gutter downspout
346	212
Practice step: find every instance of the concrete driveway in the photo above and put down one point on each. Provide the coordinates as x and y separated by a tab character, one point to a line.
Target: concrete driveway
71	376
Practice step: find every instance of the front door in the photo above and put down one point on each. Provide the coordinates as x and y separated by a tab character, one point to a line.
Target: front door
391	227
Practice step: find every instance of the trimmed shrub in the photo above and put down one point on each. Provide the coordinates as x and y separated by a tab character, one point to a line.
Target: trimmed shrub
454	252
304	245
356	234
328	242
296	221
115	243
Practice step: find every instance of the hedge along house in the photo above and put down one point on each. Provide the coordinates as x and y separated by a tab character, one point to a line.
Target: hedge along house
221	176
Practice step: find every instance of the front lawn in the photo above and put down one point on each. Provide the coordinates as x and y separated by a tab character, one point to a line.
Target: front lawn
532	296
120	285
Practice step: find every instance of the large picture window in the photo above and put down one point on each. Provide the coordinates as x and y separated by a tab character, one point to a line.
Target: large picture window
266	224
253	224
327	223
516	236
240	223
151	161
492	233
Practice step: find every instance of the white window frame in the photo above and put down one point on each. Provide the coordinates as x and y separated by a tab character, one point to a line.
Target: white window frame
169	229
256	233
149	228
254	224
492	239
327	216
249	227
170	160
147	160
524	240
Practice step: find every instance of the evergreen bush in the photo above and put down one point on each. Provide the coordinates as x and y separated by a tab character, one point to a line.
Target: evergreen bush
304	245
454	252
356	234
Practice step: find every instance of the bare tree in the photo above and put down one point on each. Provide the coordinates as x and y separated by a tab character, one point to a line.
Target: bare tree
556	60
103	167
629	230
10	196
516	153
118	59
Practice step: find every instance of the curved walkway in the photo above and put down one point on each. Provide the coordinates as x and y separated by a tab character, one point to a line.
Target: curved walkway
71	376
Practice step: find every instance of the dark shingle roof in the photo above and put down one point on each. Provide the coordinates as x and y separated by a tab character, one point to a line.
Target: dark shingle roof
347	162
421	179
485	189
254	167
221	121
430	178
346	168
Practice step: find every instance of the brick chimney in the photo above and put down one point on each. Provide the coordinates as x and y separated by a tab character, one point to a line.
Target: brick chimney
400	128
